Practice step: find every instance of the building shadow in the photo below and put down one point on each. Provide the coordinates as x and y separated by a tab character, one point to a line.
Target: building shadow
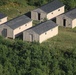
28	14
19	36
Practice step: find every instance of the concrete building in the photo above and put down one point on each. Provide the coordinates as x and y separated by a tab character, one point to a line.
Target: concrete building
67	19
41	32
15	26
49	11
3	18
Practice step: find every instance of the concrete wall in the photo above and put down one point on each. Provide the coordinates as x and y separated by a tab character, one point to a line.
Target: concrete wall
3	20
22	28
27	33
9	31
68	22
43	15
56	12
34	15
74	23
48	34
59	21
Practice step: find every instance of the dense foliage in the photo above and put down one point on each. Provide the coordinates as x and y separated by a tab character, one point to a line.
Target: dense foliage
24	58
69	3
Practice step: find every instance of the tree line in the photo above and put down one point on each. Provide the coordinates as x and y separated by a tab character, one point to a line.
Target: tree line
69	3
24	58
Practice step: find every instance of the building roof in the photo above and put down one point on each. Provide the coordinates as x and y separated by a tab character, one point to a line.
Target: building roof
2	15
52	6
43	27
71	14
39	10
18	21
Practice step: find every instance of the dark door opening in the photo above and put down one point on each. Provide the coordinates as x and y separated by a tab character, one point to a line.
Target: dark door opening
38	16
64	22
4	32
31	37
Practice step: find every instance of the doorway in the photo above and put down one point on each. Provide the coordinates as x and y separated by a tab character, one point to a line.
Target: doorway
39	16
4	32
64	22
31	37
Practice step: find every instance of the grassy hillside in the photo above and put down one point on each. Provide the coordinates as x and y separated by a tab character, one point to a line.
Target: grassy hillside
12	10
64	40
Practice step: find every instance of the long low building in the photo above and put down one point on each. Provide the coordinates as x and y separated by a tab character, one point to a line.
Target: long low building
67	19
41	32
15	26
48	11
3	18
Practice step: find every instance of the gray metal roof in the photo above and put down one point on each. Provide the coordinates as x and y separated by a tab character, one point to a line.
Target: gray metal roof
39	10
2	15
71	14
52	6
43	27
18	21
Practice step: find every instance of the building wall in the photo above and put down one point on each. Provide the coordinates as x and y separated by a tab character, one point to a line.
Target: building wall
68	22
50	33
34	15
74	23
56	12
22	28
43	15
59	21
9	31
27	33
3	20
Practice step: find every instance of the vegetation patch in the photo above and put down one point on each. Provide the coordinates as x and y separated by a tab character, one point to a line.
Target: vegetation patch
56	56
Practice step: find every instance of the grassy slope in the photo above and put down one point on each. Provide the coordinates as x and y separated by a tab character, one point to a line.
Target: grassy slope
65	40
12	10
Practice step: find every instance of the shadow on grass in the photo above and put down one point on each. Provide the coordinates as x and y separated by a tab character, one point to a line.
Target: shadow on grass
19	36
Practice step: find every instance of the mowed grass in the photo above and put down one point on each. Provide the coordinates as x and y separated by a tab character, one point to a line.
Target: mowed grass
66	39
13	10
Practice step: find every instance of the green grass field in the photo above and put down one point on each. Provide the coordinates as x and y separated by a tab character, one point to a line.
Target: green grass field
65	40
14	10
